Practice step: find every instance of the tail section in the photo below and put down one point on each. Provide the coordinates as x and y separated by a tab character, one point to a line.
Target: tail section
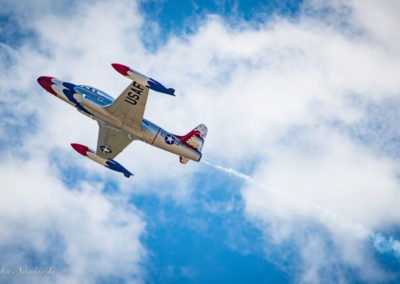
194	139
183	160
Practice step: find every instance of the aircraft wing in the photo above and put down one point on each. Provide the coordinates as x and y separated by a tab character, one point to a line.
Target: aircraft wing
129	106
111	142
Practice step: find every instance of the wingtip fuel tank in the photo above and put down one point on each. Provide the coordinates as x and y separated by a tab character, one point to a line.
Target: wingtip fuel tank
47	83
90	154
142	79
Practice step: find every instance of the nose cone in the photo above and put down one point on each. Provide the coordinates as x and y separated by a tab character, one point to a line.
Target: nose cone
46	84
81	149
122	69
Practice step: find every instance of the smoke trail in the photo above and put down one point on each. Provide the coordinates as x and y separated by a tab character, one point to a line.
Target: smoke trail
231	172
380	242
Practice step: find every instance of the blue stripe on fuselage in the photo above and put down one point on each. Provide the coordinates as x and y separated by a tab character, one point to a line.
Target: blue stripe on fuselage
69	93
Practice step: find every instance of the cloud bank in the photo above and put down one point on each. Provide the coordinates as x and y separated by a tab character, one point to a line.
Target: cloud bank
292	99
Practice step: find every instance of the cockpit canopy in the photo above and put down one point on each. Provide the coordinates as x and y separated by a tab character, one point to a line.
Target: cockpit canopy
96	91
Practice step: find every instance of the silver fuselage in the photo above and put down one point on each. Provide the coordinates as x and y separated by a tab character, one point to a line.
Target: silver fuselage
149	132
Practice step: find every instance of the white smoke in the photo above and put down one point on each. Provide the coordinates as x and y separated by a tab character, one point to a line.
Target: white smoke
381	243
231	172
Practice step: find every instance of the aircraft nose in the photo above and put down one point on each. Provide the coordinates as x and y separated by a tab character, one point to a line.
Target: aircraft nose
46	83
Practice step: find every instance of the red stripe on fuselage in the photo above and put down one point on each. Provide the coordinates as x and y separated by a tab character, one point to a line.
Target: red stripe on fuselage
155	136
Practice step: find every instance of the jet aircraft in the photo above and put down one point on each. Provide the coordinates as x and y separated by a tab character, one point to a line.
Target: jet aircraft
121	120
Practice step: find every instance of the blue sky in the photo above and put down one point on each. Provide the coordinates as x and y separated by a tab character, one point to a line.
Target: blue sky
302	113
172	20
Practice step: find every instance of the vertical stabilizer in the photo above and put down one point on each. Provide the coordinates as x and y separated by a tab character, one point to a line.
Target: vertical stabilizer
195	138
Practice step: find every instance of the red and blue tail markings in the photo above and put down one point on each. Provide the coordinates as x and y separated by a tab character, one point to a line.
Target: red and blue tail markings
195	138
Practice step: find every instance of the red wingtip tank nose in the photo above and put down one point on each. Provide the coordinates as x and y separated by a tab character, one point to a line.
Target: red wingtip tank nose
122	69
81	149
46	83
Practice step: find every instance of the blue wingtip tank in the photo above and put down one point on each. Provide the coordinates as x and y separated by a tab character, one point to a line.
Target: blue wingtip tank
114	165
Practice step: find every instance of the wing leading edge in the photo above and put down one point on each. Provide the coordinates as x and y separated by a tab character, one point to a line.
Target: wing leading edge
129	106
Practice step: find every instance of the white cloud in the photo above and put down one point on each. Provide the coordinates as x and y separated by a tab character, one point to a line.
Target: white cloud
325	177
81	233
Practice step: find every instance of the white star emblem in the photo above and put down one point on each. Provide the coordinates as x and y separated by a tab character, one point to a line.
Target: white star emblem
105	149
169	139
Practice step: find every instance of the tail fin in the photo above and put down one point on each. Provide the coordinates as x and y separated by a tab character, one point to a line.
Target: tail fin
195	138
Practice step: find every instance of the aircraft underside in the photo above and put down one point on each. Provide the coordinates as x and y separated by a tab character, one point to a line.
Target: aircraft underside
121	120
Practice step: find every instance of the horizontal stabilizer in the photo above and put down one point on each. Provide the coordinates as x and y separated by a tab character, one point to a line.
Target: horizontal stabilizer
183	160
